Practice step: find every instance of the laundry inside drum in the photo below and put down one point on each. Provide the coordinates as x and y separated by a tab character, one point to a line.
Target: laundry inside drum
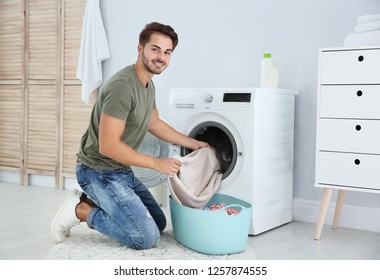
221	139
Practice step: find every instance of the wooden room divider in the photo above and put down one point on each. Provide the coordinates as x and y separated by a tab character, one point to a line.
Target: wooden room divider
42	117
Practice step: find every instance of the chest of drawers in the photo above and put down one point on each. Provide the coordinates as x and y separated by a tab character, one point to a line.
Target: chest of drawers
348	125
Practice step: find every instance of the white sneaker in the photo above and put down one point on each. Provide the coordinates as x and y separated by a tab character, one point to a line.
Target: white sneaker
66	232
65	219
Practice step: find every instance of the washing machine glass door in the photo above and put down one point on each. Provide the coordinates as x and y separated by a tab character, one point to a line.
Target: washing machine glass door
155	147
221	139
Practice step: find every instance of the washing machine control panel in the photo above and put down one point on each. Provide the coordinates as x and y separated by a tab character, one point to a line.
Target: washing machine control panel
219	98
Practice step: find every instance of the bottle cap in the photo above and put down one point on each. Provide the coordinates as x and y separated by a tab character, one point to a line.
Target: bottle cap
267	55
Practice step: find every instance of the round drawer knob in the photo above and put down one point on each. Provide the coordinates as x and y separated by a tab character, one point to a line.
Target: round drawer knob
361	58
359	93
357	161
358	127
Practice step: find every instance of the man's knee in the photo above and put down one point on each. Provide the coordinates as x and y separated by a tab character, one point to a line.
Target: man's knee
148	241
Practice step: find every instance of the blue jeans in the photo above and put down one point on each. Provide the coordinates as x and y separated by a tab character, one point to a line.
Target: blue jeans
126	210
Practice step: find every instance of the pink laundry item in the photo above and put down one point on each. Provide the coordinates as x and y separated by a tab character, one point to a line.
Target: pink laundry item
215	207
198	179
230	211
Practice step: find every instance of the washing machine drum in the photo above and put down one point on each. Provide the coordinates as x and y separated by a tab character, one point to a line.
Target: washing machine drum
155	147
221	139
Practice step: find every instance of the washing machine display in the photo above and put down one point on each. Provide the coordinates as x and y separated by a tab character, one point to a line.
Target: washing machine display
252	131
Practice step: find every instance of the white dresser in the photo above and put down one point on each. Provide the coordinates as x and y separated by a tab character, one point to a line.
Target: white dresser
348	125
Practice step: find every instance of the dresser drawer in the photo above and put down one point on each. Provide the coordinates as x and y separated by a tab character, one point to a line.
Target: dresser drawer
347	135
350	67
353	101
351	170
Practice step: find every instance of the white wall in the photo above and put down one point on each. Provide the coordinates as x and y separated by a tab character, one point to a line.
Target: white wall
221	43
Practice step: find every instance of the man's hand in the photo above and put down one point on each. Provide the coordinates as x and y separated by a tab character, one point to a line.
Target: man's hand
168	166
195	144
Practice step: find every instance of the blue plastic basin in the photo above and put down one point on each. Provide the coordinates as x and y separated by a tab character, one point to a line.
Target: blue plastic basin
212	232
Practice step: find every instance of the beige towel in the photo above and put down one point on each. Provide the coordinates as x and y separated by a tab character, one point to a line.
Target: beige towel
198	179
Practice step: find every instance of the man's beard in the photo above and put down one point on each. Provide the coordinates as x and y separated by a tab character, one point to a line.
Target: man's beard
151	69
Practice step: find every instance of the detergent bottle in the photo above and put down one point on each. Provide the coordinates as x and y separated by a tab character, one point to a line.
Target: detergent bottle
269	72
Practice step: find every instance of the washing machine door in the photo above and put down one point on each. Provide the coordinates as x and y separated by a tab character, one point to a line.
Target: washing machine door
221	139
155	147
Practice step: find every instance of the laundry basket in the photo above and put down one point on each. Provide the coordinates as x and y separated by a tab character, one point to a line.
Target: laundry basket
212	232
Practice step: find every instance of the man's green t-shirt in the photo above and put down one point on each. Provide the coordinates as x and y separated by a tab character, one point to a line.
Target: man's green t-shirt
125	98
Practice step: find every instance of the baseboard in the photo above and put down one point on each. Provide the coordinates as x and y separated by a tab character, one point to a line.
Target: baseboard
352	216
159	192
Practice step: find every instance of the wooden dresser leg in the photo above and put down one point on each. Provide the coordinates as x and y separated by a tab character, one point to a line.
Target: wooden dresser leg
322	213
338	208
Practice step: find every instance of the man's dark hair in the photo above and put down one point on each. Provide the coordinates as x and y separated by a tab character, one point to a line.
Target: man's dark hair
159	28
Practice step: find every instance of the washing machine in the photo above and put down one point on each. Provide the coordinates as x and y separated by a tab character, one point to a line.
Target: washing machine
252	131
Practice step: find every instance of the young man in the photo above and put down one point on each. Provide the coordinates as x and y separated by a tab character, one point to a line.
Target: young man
114	202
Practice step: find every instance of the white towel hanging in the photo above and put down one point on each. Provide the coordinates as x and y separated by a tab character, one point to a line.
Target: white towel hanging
93	50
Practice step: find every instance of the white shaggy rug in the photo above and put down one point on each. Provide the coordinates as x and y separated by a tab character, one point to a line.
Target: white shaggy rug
87	244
